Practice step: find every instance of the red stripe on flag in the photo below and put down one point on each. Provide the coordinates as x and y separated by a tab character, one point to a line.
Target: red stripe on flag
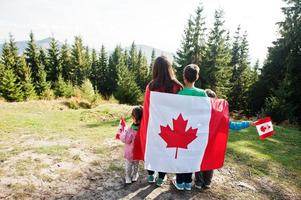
263	120
214	155
264	136
140	140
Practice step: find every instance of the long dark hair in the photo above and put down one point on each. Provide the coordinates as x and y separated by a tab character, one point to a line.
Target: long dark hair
163	76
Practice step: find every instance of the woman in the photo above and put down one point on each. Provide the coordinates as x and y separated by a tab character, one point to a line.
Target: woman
163	80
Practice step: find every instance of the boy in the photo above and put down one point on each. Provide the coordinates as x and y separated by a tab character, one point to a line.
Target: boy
203	178
190	75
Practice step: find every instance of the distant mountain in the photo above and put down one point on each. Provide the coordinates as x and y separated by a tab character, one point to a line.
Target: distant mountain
44	43
146	50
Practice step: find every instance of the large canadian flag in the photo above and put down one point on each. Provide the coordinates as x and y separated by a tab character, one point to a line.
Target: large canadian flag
180	134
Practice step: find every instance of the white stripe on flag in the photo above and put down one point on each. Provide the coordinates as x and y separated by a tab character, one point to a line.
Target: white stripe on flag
264	128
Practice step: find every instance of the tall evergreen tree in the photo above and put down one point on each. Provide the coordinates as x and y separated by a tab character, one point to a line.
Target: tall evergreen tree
217	61
112	76
183	55
102	74
32	58
278	88
241	75
127	90
193	44
133	59
10	89
79	61
27	87
142	76
94	70
10	57
53	67
65	60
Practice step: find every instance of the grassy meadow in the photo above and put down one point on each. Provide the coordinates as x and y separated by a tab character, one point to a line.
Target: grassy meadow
50	151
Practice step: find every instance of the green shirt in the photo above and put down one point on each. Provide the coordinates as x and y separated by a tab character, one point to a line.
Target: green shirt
193	92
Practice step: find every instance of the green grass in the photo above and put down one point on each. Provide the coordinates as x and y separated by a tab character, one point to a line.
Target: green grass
278	156
55	150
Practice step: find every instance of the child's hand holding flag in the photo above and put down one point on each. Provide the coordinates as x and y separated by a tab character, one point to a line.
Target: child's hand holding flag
121	128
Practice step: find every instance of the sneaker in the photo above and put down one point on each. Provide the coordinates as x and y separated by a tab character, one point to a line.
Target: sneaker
135	177
187	186
151	178
206	187
198	186
179	186
128	180
160	181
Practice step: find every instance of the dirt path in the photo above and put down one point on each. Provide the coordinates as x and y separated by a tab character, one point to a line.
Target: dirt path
101	177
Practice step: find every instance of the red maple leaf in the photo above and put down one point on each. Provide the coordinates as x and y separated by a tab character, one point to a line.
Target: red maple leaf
262	128
178	137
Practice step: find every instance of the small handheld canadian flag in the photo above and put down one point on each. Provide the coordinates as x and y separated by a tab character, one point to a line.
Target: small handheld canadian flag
120	128
264	128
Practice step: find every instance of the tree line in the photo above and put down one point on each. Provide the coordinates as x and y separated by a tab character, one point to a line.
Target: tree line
57	70
272	89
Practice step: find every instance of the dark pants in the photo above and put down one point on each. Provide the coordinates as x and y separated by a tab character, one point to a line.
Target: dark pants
203	178
184	178
161	174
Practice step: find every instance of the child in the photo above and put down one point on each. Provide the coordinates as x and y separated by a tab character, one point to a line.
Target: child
190	75
203	178
128	136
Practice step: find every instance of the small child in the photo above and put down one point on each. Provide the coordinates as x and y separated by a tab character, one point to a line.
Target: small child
128	137
203	178
190	75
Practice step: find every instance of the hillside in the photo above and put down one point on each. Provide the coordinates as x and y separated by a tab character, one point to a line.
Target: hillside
48	151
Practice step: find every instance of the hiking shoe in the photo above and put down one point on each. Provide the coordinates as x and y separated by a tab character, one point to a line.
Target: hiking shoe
135	177
205	187
179	186
198	186
151	178
128	180
160	182
188	186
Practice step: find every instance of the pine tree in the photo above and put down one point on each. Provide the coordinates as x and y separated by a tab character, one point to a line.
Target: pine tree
88	63
79	61
111	73
278	89
241	74
27	87
152	61
217	61
183	55
133	59
10	57
10	89
65	60
127	90
193	44
142	77
94	70
32	59
60	87
102	73
53	67
2	72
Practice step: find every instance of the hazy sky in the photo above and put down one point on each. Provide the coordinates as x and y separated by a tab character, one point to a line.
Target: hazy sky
157	23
